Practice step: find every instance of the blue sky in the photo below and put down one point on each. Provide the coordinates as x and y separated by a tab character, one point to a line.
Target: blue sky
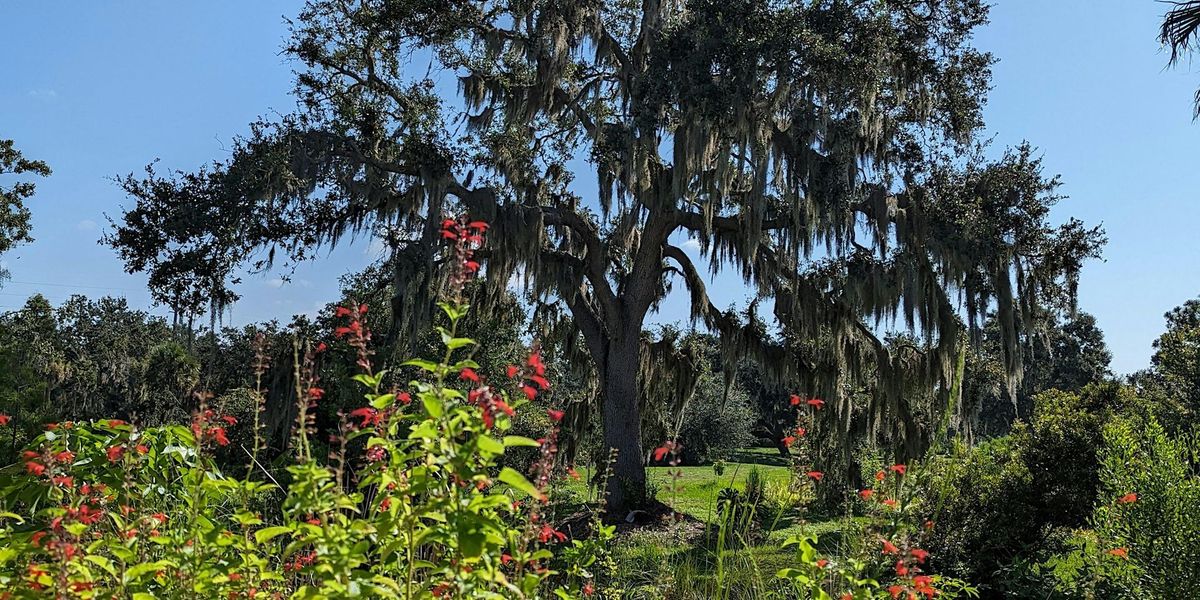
100	89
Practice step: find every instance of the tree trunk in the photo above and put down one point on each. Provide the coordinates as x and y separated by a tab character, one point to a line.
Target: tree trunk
623	426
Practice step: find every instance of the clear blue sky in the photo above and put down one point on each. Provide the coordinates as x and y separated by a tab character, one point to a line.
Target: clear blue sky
100	89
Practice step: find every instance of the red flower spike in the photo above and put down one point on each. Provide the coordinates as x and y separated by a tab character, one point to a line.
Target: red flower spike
404	398
880	475
919	554
866	494
512	371
794	400
469	375
816	475
1129	498
342	311
529	391
1119	552
555	415
115	453
788	441
899	469
4	419
890	548
816	403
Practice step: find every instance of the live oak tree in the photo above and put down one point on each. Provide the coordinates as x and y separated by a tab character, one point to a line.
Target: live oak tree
14	215
823	151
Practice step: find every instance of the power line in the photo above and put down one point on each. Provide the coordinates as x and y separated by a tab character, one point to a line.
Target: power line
71	285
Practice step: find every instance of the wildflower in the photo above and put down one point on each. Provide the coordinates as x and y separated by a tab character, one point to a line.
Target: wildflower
880	475
229	420
789	440
469	375
65	456
511	371
928	525
589	589
529	391
1119	552
794	400
816	403
662	451
535	361
115	453
404	398
369	416
342	311
160	517
64	480
901	569
115	423
919	554
573	473
866	494
898	469
316	393
218	435
548	533
4	419
142	449
1129	498
891	502
555	415
800	431
895	591
375	453
321	347
890	548
821	563
815	475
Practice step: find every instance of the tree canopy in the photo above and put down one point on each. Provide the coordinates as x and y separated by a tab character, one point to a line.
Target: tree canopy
14	215
824	151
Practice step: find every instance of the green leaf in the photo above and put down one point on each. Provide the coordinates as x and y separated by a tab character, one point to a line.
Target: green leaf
433	405
456	343
490	445
268	533
512	441
518	481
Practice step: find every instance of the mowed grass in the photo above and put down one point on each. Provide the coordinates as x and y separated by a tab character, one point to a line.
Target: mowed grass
694	493
685	561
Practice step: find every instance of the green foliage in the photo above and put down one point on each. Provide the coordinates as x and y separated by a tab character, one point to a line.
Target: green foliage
714	426
1003	499
14	215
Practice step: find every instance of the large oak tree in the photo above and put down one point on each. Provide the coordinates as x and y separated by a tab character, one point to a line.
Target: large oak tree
824	151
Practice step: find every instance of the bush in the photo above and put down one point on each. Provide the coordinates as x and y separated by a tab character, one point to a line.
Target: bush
999	503
714	426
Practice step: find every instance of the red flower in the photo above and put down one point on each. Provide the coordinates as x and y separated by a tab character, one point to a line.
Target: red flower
116	423
369	416
821	563
480	225
35	468
404	398
342	311
789	440
469	375
316	393
471	266
589	589
535	361
866	494
919	554
879	475
800	431
375	453
662	451
530	391
115	453
1119	552
890	548
512	370
322	347
555	415
898	469
794	400
1129	498
229	420
4	419
890	502
895	591
901	569
64	480
548	533
65	456
816	403
142	449
816	475
218	434
928	525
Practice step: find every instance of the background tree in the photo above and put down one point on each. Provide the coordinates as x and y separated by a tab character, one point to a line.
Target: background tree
14	215
805	145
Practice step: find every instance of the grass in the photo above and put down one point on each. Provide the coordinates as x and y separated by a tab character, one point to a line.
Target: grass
681	561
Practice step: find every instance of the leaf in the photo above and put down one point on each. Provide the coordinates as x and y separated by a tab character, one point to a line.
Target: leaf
420	363
490	445
456	343
268	533
433	405
514	441
518	481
